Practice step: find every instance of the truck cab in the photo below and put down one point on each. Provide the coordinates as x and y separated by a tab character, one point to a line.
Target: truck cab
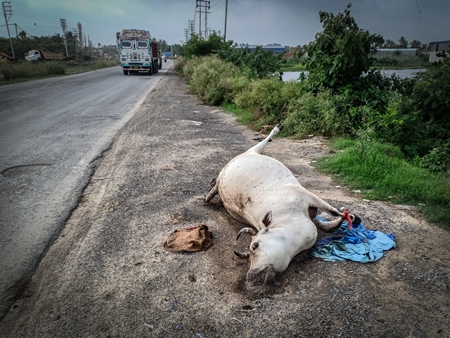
138	52
33	55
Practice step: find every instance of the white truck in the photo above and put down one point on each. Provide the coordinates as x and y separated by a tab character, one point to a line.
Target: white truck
138	51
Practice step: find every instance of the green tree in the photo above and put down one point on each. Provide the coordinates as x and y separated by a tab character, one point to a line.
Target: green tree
402	42
163	46
111	50
431	96
341	52
197	46
255	64
389	44
416	44
177	49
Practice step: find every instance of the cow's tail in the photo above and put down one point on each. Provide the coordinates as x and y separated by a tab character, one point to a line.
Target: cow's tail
261	145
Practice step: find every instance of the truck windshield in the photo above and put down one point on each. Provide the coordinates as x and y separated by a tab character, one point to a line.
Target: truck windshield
126	44
142	44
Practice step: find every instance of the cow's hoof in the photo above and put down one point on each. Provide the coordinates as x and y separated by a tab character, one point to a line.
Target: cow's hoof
355	219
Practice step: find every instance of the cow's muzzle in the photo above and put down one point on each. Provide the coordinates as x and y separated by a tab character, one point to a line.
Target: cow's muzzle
259	279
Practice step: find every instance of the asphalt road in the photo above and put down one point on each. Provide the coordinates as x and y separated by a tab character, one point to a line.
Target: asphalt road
51	133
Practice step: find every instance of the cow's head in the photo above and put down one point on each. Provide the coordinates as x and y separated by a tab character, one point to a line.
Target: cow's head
268	255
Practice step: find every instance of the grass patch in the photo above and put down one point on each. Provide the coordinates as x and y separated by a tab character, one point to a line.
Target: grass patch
30	70
11	73
380	173
293	68
243	116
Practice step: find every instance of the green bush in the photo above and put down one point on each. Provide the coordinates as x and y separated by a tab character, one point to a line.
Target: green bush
321	113
431	95
190	66
255	64
210	79
180	63
437	160
400	61
196	46
31	70
233	86
268	99
53	68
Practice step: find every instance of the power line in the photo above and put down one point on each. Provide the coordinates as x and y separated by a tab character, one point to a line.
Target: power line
216	4
36	21
420	13
49	17
200	5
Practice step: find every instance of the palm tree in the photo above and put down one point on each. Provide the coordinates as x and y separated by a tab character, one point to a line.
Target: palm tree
389	44
416	44
403	43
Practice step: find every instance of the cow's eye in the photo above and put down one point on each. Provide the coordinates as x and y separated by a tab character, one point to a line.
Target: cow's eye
255	245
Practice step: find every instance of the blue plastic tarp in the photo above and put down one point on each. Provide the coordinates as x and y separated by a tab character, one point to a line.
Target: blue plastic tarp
357	244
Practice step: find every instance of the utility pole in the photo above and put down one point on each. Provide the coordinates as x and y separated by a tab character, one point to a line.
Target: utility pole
7	12
199	18
200	4
206	19
75	34
191	27
80	37
226	13
64	27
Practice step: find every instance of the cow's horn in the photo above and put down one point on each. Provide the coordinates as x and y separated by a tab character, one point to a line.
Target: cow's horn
244	230
242	255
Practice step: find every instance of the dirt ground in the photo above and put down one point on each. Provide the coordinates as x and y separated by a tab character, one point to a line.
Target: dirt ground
108	275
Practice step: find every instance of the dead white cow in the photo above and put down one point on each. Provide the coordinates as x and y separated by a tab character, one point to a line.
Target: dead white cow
261	191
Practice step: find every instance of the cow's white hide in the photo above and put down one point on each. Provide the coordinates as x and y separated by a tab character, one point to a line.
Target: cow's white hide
261	191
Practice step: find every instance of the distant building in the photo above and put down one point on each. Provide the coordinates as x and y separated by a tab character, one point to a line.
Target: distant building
274	48
395	51
436	47
289	55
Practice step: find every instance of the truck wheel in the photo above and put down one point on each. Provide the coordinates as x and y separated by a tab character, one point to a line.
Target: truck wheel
125	72
150	71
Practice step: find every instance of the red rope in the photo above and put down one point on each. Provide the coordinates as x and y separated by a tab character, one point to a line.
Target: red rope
346	216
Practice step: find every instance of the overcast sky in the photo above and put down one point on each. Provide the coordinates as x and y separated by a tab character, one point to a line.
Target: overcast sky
287	22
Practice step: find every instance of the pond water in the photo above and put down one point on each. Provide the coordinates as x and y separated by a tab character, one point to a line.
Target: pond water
403	73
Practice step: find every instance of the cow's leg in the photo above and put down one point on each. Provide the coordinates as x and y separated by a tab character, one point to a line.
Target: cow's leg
316	202
328	226
214	190
261	145
323	225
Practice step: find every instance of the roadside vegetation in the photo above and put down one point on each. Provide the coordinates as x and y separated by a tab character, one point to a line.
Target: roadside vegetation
81	60
393	62
24	71
392	135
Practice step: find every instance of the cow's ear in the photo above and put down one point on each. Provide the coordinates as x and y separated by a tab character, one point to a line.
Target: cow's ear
267	220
